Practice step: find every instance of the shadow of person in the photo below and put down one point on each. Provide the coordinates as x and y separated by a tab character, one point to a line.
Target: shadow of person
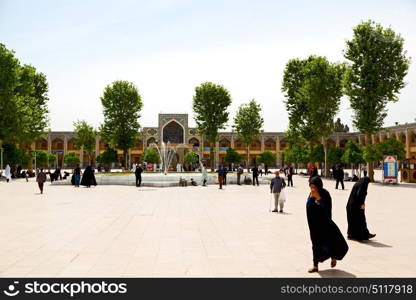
335	273
374	244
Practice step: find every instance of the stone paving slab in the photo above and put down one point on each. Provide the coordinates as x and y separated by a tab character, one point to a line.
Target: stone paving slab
123	231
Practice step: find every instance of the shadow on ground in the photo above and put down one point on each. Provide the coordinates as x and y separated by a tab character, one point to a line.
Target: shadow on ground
335	273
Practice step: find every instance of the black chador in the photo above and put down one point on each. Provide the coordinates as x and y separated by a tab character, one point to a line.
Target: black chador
88	178
327	239
357	225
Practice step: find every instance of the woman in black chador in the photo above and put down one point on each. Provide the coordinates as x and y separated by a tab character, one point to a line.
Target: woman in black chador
327	239
357	225
88	178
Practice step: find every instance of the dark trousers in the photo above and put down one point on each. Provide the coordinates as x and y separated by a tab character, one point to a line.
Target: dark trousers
342	183
220	180
238	179
138	180
40	184
289	180
255	179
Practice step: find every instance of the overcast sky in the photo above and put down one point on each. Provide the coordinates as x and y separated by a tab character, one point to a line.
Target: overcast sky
167	48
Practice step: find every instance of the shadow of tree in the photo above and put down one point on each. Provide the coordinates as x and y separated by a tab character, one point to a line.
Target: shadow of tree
331	273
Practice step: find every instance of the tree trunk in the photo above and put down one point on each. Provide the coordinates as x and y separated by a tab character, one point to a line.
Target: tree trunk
248	158
211	157
324	142
370	165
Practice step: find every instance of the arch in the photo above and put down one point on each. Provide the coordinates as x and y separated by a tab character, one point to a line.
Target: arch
283	144
57	144
138	144
270	144
239	145
150	141
224	142
412	137
402	138
194	142
173	132
343	142
42	144
71	144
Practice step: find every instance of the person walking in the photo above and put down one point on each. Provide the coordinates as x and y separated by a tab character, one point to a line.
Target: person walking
220	172
40	179
204	176
88	178
289	176
339	177
77	176
225	176
276	185
327	239
255	172
138	172
240	171
357	225
7	173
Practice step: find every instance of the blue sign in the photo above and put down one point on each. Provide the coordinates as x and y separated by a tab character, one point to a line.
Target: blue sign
390	169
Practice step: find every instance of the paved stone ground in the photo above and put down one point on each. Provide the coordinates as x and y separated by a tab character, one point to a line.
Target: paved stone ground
115	231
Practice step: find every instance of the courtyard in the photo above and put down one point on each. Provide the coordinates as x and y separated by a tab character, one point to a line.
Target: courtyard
124	231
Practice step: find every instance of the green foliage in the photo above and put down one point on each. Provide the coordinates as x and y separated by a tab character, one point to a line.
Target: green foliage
312	88
248	121
15	156
107	157
353	153
232	156
296	154
191	157
85	136
23	100
392	146
339	127
379	65
151	156
335	155
71	159
266	157
210	104
42	158
371	153
317	154
121	107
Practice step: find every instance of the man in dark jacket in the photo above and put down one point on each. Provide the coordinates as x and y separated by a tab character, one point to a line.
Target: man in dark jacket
239	172
138	174
339	177
276	186
41	178
255	172
220	172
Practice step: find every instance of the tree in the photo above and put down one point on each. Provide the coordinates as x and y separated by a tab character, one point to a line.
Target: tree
392	146
85	137
191	157
353	155
23	100
121	107
71	159
43	158
378	67
313	89
317	154
266	158
232	156
248	123
151	156
371	154
106	158
15	156
339	127
296	154
335	155
210	104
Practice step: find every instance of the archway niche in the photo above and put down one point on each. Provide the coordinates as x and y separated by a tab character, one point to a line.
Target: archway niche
173	133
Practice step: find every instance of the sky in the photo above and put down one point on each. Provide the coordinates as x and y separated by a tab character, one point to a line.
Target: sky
167	48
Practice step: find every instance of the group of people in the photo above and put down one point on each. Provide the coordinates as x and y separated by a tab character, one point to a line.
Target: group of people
8	173
327	239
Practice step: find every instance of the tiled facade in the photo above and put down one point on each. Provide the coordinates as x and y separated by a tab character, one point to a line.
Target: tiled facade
175	127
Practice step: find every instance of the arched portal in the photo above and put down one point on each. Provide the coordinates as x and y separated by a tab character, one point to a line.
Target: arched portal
173	132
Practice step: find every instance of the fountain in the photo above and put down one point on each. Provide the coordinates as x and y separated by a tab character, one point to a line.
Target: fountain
166	153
